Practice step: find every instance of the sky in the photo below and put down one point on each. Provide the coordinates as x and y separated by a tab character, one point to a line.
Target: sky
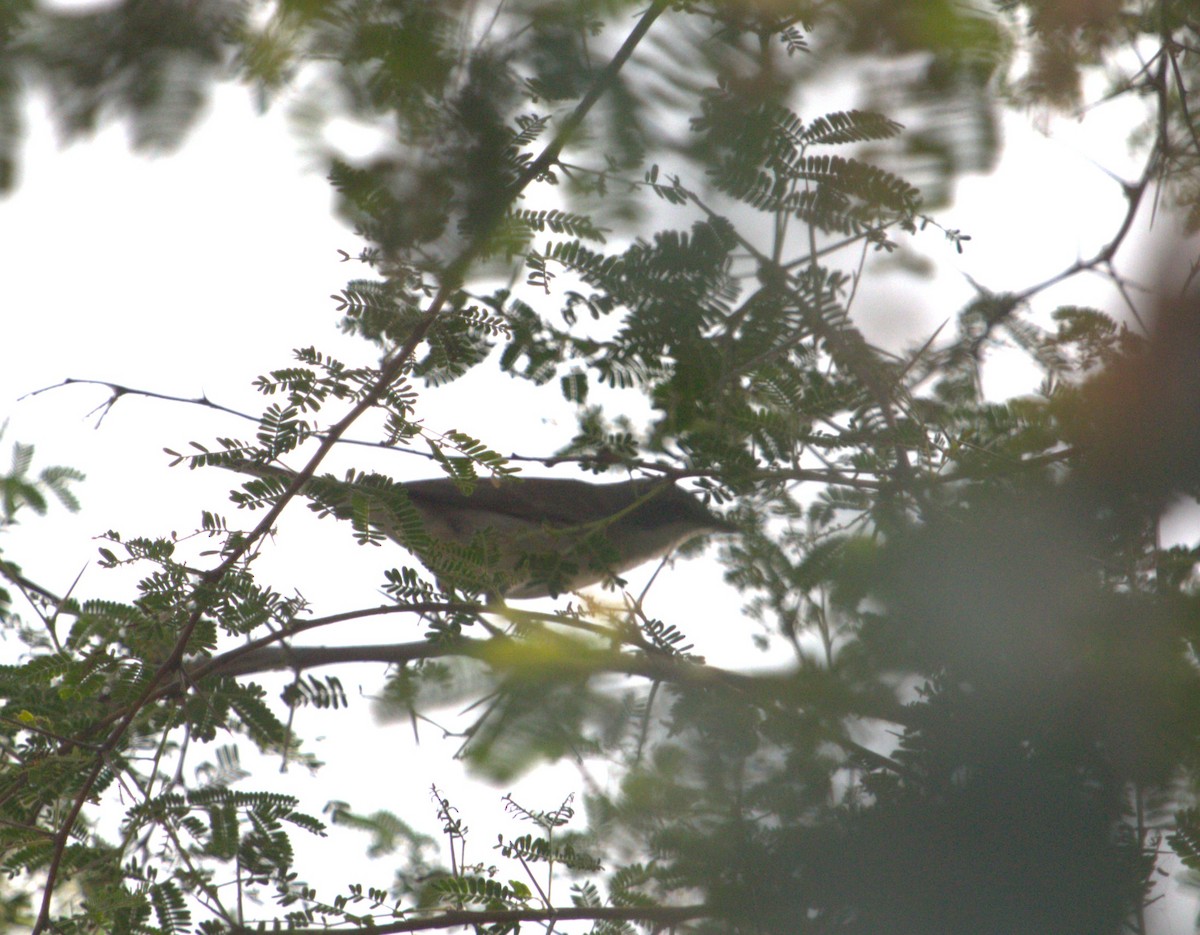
190	274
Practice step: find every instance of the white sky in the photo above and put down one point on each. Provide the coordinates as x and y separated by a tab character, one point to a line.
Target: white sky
192	274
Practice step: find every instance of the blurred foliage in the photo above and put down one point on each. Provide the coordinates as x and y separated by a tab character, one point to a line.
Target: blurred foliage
988	721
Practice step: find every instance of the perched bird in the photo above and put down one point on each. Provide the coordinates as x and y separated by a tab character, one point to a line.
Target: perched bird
514	537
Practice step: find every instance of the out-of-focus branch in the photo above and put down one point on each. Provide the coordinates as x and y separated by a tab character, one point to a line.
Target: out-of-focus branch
659	917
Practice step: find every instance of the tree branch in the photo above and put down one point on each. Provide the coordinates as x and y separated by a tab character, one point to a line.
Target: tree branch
767	689
658	916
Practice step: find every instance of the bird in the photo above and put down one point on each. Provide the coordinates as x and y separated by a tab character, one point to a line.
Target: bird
513	537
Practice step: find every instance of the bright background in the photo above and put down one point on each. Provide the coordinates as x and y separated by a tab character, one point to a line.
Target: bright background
191	274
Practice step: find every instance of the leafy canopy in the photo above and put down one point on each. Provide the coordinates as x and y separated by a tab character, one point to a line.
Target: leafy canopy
988	716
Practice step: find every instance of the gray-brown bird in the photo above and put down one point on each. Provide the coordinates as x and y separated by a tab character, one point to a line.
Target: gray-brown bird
515	537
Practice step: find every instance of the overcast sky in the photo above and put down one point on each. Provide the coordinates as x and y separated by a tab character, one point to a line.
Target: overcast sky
193	273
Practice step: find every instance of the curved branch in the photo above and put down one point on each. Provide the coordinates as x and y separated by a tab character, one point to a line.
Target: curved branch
765	689
658	916
498	651
796	474
1135	193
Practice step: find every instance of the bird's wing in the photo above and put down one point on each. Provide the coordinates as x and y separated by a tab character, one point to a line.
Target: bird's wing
553	502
